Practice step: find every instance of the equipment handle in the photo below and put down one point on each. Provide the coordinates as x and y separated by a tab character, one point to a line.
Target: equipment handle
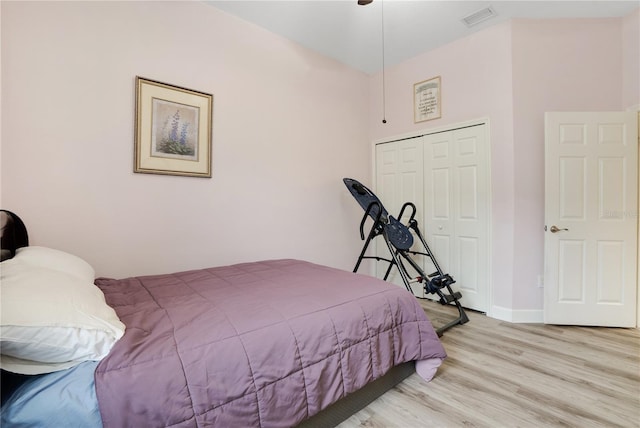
413	210
366	213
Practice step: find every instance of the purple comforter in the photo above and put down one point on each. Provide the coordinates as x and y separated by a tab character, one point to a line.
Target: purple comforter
256	344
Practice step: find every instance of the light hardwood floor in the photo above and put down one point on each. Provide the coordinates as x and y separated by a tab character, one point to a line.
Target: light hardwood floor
499	374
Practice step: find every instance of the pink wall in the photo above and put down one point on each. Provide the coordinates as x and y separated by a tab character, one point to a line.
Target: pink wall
512	73
631	60
288	125
558	65
476	83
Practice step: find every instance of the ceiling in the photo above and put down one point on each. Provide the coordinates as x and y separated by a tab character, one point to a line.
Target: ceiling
353	34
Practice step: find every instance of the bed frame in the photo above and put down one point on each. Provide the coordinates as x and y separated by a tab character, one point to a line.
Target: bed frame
353	403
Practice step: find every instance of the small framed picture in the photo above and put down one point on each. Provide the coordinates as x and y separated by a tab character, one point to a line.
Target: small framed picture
426	100
172	129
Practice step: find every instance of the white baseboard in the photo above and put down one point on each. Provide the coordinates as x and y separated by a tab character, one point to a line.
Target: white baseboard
517	315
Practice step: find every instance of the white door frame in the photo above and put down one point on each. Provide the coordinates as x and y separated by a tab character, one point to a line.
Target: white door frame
638	261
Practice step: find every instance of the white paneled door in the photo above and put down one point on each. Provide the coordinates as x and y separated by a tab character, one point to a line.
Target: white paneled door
446	175
456	209
398	180
591	218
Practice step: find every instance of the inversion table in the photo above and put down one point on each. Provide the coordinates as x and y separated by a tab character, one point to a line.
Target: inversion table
399	240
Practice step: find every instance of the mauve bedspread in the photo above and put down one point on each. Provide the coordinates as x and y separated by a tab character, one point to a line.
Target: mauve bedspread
265	344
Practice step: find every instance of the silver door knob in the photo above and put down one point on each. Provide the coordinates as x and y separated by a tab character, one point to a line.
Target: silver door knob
556	229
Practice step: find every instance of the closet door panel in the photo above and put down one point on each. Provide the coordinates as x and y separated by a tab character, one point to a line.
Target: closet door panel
467	259
467	193
456	204
441	245
386	173
471	191
445	174
438	224
410	172
399	179
439	202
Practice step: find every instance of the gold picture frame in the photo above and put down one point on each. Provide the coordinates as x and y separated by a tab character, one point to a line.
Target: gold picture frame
427	103
172	130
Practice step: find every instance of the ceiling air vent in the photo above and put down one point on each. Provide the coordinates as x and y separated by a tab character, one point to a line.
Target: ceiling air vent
479	16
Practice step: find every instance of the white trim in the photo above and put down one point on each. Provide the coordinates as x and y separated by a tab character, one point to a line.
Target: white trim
634	108
518	315
490	215
426	131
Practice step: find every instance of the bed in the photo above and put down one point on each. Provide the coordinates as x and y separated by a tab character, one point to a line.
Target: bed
273	343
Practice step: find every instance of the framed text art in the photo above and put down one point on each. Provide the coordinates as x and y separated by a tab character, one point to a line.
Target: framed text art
172	129
426	100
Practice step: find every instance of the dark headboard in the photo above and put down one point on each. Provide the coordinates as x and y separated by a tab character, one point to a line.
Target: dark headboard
13	234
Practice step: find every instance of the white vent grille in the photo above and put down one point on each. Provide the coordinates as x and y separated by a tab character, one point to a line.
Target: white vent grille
479	16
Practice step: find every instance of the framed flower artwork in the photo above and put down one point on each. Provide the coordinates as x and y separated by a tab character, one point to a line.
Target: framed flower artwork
173	129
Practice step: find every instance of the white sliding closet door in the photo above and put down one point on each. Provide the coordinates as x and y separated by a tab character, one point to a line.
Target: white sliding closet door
399	179
456	209
446	175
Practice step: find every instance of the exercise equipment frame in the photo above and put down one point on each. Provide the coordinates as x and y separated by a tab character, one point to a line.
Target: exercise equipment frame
399	240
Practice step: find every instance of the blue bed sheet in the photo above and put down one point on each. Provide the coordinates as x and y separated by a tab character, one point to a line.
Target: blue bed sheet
62	399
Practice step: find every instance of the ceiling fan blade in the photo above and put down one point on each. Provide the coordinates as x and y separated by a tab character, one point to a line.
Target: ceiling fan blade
364	2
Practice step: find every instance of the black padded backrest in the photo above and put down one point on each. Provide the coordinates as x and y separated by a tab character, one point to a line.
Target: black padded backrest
13	234
399	234
365	197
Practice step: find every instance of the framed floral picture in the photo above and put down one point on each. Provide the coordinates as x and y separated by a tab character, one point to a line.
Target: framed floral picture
172	129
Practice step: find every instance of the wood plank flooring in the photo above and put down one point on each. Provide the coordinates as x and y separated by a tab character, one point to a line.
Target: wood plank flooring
499	374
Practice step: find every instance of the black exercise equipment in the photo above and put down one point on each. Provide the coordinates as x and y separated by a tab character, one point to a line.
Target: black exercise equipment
399	240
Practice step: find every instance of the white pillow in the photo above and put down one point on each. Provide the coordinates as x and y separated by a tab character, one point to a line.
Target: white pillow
55	259
51	320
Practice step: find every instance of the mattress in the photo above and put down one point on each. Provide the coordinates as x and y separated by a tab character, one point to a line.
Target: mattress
266	344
